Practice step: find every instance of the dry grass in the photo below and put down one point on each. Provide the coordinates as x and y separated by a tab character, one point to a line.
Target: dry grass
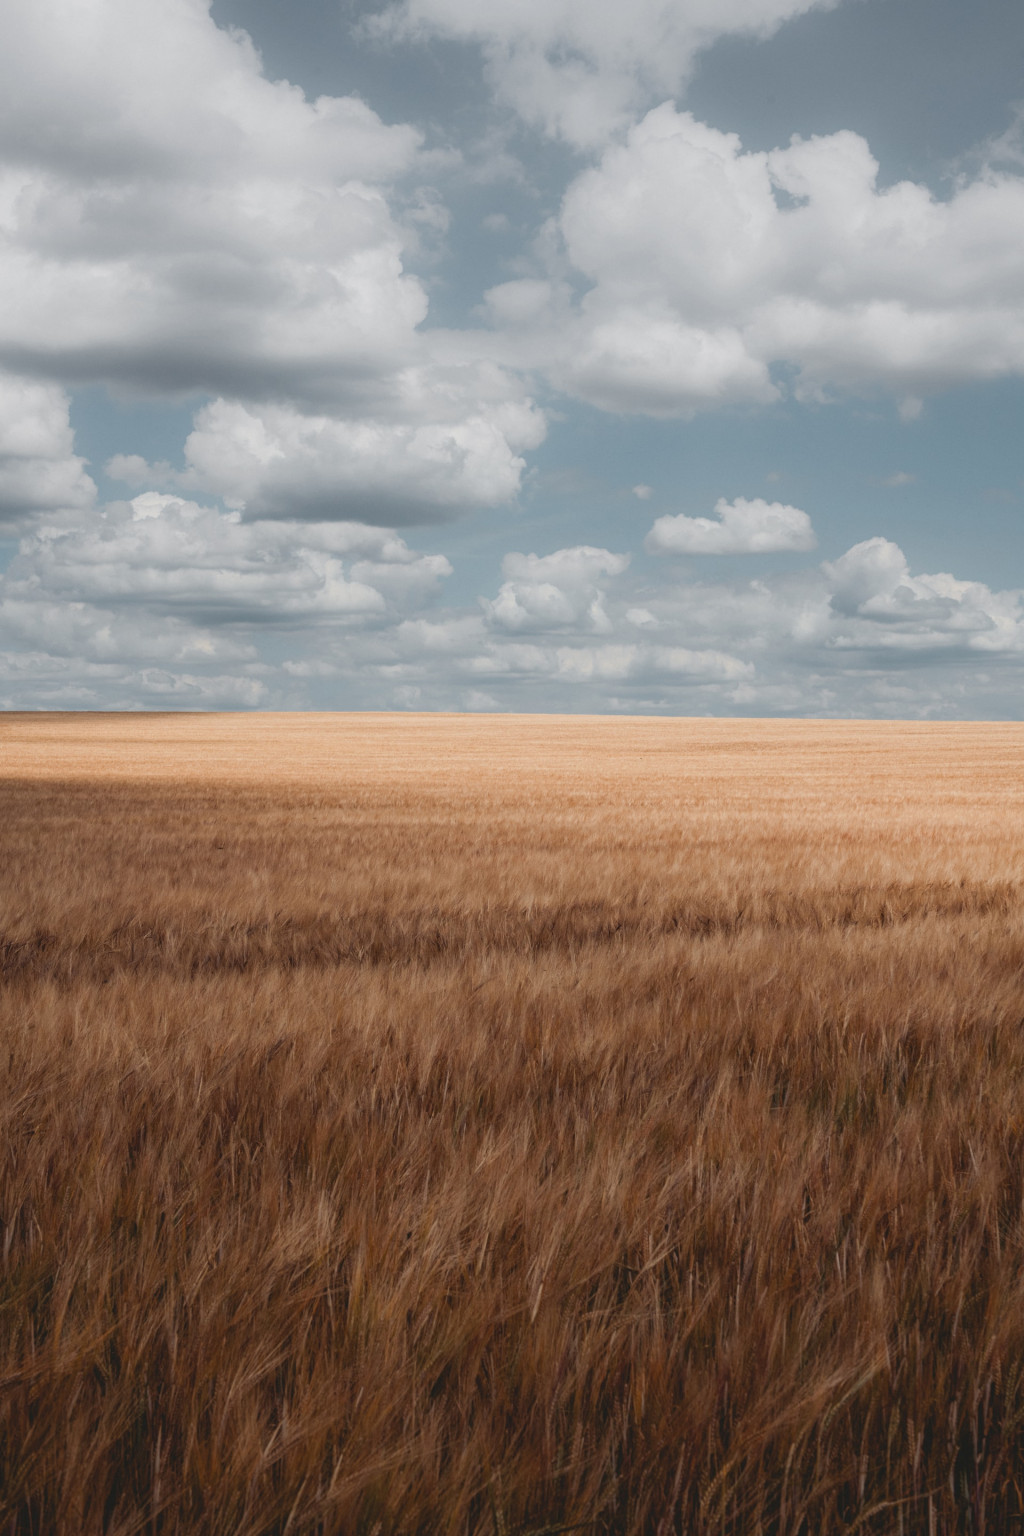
442	1125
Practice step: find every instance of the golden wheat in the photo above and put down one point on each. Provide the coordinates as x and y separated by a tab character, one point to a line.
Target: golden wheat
436	1124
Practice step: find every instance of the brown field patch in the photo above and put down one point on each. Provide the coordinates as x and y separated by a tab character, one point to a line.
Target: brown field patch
444	1124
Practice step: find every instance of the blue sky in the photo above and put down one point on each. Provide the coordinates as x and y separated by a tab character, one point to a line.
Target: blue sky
551	356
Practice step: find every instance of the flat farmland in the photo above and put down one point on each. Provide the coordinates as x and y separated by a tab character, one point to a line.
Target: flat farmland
444	1124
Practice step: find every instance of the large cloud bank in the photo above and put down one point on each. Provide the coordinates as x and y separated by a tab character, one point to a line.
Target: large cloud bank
176	225
173	221
711	268
164	600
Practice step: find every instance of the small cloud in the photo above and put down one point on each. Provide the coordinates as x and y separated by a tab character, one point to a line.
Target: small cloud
742	528
557	591
899	478
911	408
643	492
773	477
641	617
496	223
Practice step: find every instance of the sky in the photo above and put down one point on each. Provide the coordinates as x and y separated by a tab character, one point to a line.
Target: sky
531	355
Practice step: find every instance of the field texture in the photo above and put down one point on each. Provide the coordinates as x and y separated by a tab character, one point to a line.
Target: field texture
447	1125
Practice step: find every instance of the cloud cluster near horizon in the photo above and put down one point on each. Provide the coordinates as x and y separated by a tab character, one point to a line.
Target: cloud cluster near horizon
267	258
161	600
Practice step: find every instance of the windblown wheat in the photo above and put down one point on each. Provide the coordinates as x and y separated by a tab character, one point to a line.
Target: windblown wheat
446	1125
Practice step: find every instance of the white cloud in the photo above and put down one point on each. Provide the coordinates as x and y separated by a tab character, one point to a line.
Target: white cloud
558	623
709	267
835	638
161	589
606	662
39	469
98	84
550	592
579	68
162	598
173	221
450	636
175	558
277	461
640	360
876	602
681	661
41	680
743	528
863	610
170	217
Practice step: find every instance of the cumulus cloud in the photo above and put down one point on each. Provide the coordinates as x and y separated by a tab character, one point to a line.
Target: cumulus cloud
90	618
710	267
876	602
851	615
171	218
545	592
174	557
622	663
606	663
559	623
39	469
859	634
640	360
274	460
742	528
579	68
96	85
44	680
162	598
173	221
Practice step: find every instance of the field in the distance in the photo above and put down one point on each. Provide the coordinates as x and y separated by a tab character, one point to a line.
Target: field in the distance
505	1125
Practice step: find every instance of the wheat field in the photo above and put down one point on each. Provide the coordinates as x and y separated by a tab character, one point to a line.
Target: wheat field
435	1124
